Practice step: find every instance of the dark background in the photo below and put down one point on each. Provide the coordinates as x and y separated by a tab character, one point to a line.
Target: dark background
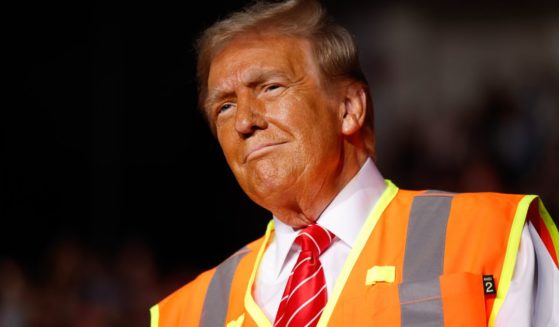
114	192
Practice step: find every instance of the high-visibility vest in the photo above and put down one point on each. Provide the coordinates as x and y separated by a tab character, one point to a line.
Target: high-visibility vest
422	258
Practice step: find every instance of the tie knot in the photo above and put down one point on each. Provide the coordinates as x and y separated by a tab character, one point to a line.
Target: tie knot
314	238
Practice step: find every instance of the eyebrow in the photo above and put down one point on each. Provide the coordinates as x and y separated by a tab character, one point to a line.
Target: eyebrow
215	96
249	78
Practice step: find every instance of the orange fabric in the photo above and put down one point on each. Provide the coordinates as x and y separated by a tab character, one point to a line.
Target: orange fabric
474	229
183	307
476	240
240	284
475	244
463	300
378	303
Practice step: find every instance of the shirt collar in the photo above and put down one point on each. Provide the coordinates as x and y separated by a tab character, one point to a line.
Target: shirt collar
344	216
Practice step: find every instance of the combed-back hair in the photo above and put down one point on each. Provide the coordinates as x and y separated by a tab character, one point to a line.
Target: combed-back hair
334	48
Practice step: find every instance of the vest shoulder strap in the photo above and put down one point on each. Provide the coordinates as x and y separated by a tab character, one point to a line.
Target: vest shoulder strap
206	300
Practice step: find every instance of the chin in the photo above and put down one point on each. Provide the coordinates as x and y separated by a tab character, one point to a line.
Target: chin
270	175
269	196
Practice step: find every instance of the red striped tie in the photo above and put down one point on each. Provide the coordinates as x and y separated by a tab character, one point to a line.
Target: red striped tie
305	294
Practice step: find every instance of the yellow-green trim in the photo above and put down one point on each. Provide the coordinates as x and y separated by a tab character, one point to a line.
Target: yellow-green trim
154	313
252	308
551	227
510	255
237	322
360	242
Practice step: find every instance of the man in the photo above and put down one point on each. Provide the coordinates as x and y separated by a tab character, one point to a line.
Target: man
281	87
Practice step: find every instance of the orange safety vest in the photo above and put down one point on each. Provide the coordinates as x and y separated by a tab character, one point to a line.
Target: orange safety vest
424	258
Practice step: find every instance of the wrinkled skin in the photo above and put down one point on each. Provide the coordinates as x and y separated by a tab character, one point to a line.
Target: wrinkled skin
290	138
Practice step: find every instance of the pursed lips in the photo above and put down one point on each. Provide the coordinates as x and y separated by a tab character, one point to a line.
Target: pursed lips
260	148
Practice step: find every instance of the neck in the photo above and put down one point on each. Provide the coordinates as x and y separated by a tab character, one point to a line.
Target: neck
311	201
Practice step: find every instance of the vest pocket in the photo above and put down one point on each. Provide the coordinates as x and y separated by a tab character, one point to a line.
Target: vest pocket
463	299
450	300
421	303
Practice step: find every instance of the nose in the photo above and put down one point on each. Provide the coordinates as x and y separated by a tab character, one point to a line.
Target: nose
249	117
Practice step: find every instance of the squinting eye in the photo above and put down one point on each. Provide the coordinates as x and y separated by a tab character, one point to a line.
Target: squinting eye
272	87
224	107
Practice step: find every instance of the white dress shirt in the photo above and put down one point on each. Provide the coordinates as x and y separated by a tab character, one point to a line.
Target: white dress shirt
345	216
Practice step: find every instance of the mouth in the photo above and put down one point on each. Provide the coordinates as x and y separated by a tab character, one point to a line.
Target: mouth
260	149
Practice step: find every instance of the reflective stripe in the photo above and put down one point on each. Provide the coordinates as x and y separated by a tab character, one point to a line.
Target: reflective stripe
385	199
420	303
154	313
510	256
426	237
216	302
439	192
251	307
420	294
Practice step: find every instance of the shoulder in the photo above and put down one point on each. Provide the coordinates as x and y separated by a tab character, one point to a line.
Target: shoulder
490	204
495	198
519	209
480	197
187	301
509	212
483	214
192	294
473	204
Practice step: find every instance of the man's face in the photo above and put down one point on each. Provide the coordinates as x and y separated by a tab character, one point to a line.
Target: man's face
278	124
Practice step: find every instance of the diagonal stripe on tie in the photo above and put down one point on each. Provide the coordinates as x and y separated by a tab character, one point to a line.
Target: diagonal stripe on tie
306	305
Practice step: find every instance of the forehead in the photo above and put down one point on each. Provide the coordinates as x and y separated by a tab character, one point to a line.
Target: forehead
248	56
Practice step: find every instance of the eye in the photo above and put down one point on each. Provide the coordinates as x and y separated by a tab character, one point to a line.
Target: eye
224	107
271	87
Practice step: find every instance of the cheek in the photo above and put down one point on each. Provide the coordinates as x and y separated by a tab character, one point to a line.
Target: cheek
314	124
323	134
295	114
283	111
227	144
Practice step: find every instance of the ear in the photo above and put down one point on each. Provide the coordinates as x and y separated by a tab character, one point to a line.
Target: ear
353	108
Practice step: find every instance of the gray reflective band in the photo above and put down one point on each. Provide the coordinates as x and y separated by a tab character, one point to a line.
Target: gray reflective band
420	304
216	302
420	294
439	192
426	237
